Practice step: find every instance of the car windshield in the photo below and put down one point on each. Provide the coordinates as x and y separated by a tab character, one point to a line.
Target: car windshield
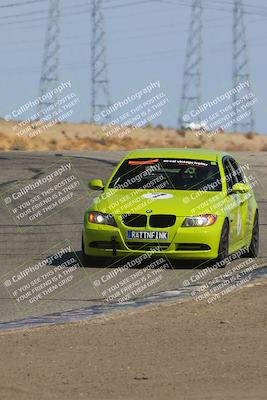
167	173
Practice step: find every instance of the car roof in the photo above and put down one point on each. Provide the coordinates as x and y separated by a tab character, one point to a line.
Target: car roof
200	154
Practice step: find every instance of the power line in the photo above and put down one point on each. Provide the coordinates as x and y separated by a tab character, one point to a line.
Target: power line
210	6
88	10
134	3
22	4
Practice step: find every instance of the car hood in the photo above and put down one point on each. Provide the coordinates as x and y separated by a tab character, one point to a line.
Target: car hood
139	201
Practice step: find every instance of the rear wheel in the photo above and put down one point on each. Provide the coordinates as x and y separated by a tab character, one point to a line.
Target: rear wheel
253	249
223	251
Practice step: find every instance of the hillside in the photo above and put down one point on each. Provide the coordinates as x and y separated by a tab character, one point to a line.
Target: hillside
84	136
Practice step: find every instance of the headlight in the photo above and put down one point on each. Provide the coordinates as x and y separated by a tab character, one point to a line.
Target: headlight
96	217
201	220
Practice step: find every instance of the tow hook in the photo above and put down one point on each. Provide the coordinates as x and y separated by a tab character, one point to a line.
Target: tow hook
114	245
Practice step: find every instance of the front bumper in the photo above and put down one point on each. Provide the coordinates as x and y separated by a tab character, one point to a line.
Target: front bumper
184	243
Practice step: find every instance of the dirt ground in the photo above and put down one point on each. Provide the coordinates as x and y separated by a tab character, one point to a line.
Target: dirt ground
84	136
169	351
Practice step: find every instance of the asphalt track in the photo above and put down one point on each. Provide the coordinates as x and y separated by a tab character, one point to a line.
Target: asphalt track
27	247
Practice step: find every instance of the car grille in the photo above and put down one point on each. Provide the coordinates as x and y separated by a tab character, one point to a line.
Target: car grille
147	246
134	220
162	221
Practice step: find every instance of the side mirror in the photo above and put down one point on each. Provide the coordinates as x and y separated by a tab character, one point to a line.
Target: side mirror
240	188
96	184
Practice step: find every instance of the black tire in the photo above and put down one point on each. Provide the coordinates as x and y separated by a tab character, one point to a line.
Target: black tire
253	249
223	251
86	260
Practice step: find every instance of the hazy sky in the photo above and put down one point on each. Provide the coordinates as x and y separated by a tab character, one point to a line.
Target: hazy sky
146	42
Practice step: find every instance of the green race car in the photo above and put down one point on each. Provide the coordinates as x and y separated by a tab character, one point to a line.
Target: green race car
182	203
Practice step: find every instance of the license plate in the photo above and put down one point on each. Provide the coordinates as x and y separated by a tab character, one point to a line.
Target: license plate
148	235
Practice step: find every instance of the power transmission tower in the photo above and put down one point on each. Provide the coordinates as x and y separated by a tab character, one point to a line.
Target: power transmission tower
241	68
100	97
49	77
191	88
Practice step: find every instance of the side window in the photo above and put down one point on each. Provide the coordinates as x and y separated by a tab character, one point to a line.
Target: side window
237	171
230	181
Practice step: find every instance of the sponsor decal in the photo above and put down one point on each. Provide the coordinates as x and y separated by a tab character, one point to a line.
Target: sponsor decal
157	196
143	162
194	163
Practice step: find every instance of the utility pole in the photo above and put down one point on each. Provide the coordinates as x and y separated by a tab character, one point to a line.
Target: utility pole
191	88
241	68
49	76
100	96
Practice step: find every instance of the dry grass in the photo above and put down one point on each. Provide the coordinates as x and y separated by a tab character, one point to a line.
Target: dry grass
83	137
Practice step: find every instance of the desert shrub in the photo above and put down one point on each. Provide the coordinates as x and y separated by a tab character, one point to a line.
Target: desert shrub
250	135
19	144
181	132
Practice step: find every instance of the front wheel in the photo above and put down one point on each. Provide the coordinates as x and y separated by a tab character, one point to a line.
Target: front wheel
223	251
86	260
90	261
253	249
